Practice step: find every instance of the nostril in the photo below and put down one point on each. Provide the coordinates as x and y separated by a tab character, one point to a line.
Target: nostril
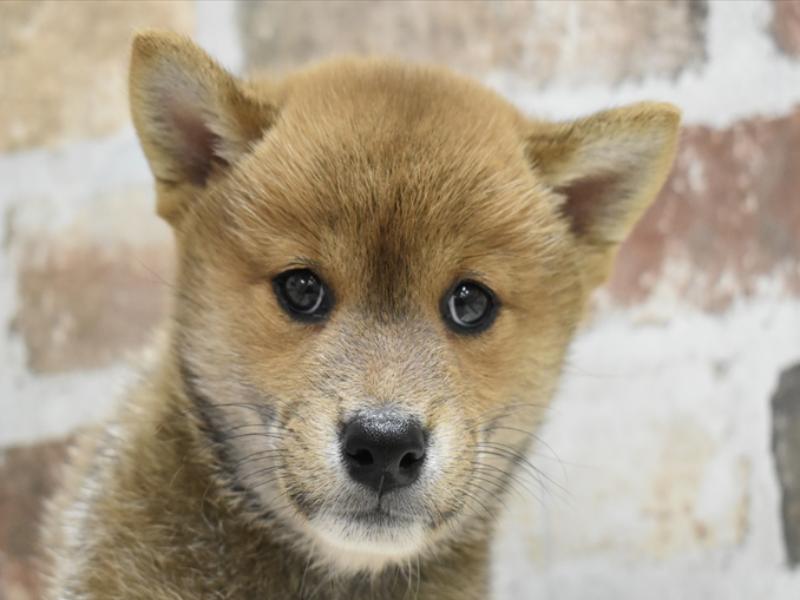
383	449
411	460
362	457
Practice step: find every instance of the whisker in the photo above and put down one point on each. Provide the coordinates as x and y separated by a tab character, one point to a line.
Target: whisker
263	434
503	477
519	484
526	467
263	471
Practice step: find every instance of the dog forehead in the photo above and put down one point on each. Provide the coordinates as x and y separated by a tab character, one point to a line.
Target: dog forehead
391	166
371	141
393	199
395	115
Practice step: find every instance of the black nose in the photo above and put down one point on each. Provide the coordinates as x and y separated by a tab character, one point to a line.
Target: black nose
383	449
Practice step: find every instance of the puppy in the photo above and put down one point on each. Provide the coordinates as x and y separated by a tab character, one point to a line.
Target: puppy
380	268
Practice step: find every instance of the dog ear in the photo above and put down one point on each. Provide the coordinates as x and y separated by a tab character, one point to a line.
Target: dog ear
193	118
607	168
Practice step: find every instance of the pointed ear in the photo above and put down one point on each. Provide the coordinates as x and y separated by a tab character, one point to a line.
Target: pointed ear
193	117
607	168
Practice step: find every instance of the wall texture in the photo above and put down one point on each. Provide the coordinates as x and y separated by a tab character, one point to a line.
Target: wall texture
671	460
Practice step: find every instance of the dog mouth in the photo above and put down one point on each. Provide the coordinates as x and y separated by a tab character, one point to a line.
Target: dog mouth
378	518
377	514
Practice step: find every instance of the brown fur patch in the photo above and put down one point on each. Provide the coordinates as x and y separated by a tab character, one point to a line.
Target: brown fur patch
391	182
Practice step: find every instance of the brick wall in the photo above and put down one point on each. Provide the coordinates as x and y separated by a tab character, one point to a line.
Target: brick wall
672	460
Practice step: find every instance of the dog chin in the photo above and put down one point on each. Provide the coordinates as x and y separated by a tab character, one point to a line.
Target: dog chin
358	544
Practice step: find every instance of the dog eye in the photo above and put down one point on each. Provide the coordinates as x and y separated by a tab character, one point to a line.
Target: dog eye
302	294
469	307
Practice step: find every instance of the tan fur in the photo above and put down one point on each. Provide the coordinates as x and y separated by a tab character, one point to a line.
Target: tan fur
218	479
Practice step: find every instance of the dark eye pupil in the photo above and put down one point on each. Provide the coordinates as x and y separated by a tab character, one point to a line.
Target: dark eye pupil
304	291
469	304
469	307
302	294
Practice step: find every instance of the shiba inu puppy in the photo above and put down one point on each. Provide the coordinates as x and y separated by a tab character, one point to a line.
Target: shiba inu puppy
381	266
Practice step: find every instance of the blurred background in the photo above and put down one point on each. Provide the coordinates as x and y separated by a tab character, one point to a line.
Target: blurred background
671	459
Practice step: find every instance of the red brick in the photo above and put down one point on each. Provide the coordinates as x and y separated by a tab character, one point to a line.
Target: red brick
28	475
729	215
85	304
539	42
786	26
64	65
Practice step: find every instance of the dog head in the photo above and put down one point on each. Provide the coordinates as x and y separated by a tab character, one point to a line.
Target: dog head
380	269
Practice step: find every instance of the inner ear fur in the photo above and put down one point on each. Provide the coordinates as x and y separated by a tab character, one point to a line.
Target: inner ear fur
606	169
193	118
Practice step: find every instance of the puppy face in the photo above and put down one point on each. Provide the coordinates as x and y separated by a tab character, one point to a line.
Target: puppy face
381	267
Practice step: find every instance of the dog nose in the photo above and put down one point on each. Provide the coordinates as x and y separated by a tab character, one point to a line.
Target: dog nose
383	449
